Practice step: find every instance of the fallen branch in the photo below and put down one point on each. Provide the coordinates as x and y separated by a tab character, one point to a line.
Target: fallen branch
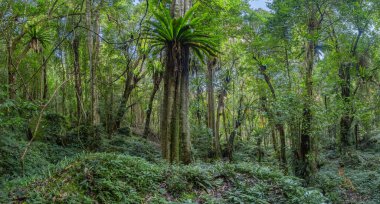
39	121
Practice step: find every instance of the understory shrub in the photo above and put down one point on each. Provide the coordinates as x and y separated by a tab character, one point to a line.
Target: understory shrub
119	178
132	145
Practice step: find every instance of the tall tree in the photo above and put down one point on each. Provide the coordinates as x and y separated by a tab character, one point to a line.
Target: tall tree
211	120
177	35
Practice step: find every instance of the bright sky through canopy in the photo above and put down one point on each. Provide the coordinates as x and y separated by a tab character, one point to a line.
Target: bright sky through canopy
259	4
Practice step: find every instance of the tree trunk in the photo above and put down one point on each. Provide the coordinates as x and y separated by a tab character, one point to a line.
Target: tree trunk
174	100
157	77
109	102
260	152
281	132
306	167
167	104
238	122
94	116
211	122
199	101
219	113
77	76
44	79
96	66
64	72
11	72
174	120
274	142
184	118
345	120
130	84
279	126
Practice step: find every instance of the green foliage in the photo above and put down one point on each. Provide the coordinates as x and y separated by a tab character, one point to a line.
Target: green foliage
117	178
14	114
85	137
38	38
39	156
202	141
52	128
132	145
360	182
247	151
185	31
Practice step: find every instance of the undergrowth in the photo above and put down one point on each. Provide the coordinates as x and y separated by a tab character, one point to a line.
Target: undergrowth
119	178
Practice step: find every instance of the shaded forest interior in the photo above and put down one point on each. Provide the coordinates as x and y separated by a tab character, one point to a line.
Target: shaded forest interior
189	101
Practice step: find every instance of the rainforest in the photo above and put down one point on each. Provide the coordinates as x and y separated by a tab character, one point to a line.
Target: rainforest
190	101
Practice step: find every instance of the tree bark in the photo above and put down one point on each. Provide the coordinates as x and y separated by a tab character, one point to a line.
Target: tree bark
219	113
167	104
96	66
77	76
279	126
157	78
346	119
44	79
94	117
238	122
211	121
11	72
274	142
184	118
306	167
130	84
174	101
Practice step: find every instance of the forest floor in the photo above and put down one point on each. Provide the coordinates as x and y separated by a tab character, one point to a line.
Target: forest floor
352	178
128	169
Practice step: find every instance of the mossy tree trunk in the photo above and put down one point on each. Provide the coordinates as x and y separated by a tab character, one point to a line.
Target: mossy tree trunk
184	110
174	128
307	160
130	83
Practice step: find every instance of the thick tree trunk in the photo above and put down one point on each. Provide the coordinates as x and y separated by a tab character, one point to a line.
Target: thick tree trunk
184	118
306	167
174	121
175	104
167	104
